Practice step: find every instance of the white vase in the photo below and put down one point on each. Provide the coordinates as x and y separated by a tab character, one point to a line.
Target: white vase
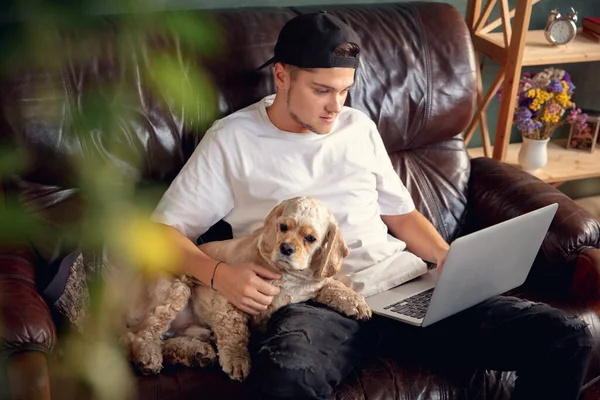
533	154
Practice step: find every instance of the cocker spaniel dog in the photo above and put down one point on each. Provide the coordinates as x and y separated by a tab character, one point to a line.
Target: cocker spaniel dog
177	321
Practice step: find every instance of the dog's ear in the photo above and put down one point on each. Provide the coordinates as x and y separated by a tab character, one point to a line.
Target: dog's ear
270	228
275	213
328	261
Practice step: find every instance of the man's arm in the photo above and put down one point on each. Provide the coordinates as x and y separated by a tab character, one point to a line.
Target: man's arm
192	261
199	196
420	236
241	284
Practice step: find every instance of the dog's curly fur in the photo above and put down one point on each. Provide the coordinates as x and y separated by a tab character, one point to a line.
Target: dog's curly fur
300	240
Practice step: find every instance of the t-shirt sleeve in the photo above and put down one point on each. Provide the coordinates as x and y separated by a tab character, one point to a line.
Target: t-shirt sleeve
393	197
200	195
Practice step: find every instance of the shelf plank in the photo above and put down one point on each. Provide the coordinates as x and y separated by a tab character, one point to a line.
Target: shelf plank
538	51
563	164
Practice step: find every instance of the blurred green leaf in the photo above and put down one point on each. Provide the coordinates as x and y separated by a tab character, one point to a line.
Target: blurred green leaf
116	64
187	87
199	31
12	160
12	47
16	225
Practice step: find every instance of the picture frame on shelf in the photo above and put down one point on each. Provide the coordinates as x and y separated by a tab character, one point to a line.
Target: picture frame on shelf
585	139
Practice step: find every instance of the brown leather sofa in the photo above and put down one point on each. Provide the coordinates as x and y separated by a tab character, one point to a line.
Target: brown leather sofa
417	82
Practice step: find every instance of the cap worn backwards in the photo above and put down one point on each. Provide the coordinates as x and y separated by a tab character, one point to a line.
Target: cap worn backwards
309	41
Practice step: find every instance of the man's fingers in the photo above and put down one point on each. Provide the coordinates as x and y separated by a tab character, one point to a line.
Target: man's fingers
247	309
266	288
264	272
262	299
254	306
440	265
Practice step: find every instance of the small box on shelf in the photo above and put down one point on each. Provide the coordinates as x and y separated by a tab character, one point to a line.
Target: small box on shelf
591	24
590	35
584	139
590	28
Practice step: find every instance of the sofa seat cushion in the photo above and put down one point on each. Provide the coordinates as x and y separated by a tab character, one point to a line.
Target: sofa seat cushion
379	377
383	375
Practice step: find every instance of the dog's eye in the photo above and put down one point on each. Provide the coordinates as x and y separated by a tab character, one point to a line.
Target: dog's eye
283	227
310	239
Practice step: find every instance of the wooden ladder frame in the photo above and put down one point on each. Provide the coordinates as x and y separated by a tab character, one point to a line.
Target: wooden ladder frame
514	36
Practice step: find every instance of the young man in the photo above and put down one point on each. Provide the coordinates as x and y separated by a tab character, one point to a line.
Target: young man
303	141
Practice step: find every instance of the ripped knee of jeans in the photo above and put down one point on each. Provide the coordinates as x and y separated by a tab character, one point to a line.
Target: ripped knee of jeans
285	359
289	374
525	304
574	328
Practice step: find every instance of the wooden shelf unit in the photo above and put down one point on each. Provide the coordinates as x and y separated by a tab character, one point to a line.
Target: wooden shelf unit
514	47
563	164
538	51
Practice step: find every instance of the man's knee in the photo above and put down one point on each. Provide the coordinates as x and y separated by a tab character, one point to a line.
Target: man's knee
579	336
285	375
567	333
306	351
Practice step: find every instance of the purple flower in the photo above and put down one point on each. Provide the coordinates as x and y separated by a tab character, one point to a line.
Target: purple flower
567	77
524	120
523	113
525	101
571	87
555	86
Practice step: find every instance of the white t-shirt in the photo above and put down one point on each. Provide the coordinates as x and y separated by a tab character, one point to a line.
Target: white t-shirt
244	166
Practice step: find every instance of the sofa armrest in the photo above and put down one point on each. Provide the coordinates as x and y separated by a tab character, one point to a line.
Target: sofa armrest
586	276
499	191
28	376
26	323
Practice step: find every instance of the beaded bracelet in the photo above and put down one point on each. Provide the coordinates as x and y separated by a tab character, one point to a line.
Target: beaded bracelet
212	280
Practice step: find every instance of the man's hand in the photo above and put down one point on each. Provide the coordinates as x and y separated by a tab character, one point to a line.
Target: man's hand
243	286
441	255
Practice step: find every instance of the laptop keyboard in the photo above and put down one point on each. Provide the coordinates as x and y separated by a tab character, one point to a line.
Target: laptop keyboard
414	306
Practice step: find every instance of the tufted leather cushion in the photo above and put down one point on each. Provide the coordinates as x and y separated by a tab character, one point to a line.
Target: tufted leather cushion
420	97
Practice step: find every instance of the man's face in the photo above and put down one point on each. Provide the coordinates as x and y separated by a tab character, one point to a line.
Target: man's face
315	98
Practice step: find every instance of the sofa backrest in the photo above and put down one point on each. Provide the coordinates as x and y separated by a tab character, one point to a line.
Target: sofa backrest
417	81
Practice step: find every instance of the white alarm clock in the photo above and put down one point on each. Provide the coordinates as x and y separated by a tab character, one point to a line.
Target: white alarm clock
561	29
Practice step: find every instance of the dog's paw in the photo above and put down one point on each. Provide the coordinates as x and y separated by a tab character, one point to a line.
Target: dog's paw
363	311
205	355
235	364
357	308
148	358
188	351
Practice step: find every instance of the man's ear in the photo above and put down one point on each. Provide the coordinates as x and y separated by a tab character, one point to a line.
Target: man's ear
332	252
282	76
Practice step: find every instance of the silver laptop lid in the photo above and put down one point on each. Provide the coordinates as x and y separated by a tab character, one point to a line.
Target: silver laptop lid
488	262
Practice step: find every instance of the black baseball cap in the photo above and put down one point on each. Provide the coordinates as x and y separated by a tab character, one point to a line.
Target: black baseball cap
309	41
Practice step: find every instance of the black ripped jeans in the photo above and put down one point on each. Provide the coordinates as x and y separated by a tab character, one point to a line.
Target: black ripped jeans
309	349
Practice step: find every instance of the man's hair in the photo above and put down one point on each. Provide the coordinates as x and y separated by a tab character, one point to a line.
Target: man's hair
343	50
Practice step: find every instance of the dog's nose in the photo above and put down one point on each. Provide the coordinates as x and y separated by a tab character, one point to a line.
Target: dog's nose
287	249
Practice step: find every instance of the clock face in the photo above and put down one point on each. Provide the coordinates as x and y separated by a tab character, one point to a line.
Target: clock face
561	32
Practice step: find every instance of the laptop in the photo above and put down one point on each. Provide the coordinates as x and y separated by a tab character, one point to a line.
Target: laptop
479	266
